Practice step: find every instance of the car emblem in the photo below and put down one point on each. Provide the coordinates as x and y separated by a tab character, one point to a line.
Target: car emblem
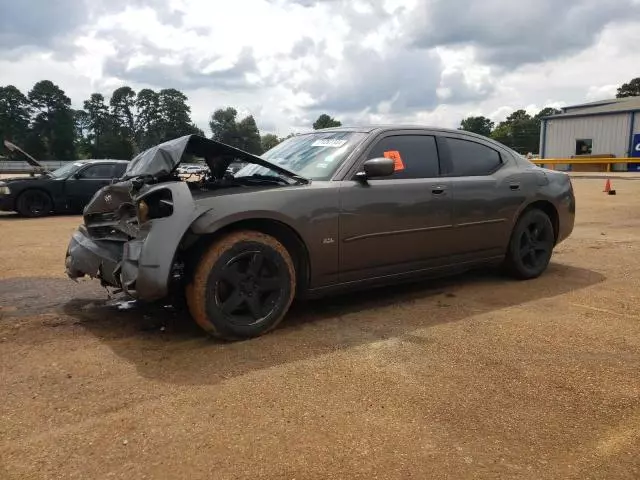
107	198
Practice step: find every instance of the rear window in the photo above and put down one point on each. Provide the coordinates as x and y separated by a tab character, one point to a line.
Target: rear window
471	159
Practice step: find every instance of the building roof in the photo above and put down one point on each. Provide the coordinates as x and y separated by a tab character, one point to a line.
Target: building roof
602	107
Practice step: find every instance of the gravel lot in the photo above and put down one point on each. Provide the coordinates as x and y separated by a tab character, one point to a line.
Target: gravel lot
472	377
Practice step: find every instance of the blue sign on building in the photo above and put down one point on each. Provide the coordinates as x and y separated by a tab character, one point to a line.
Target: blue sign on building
635	151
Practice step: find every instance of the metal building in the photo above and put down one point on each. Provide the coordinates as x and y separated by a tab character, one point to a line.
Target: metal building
604	128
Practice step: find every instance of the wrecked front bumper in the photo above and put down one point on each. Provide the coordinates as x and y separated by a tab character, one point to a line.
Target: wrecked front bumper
86	256
138	259
116	264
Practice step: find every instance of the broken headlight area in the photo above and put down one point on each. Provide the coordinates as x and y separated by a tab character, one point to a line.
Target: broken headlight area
157	204
121	225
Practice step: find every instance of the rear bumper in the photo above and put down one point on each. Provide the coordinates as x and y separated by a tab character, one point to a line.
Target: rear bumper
566	216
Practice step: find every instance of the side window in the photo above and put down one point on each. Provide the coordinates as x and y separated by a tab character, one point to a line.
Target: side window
416	156
471	159
119	169
104	170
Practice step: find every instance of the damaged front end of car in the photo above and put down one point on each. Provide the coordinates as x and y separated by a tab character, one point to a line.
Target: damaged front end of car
133	229
131	247
96	247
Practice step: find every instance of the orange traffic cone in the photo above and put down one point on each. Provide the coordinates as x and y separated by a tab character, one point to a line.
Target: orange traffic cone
607	188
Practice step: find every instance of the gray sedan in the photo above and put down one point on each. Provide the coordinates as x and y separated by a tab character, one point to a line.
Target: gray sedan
322	212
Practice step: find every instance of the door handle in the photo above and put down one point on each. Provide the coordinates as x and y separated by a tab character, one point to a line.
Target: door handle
437	190
514	186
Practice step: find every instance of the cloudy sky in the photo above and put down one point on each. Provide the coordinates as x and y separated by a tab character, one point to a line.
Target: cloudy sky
286	61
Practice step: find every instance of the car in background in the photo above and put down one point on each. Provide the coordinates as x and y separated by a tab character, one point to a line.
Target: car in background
327	211
191	169
64	190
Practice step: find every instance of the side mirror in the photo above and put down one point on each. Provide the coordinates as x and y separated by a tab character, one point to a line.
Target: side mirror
77	175
377	167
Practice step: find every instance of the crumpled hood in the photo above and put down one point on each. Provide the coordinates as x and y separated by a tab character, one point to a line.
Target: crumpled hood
162	159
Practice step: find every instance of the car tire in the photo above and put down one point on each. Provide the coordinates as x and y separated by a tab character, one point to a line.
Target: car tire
34	203
242	286
531	246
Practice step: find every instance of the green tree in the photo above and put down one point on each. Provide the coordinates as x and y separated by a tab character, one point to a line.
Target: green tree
122	106
82	124
325	121
502	134
98	115
223	125
14	115
148	131
175	115
105	137
243	134
631	89
521	131
546	112
249	136
53	127
480	125
269	141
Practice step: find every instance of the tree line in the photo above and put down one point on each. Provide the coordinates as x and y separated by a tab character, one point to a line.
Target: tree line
43	122
521	131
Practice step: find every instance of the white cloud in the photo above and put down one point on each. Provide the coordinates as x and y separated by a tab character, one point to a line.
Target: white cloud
286	61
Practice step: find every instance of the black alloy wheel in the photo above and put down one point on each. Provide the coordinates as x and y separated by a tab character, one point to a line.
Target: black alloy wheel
249	287
34	203
536	243
531	246
242	286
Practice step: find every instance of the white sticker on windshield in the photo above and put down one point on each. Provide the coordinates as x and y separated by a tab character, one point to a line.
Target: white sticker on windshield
328	142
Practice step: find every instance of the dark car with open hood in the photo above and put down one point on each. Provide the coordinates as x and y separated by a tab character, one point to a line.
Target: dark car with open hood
321	212
64	190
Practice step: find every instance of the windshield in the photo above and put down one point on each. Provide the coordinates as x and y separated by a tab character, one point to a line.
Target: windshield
315	156
66	170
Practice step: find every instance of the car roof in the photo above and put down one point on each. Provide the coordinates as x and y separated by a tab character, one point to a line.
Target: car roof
370	128
100	160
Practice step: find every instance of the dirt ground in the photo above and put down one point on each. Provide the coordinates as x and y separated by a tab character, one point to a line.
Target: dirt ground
475	376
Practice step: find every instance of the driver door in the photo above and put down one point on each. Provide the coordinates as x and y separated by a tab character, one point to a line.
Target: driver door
82	186
400	223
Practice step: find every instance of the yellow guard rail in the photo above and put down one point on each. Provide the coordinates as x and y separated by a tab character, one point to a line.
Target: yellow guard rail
583	161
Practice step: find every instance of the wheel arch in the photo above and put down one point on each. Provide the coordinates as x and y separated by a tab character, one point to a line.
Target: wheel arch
31	189
548	208
282	231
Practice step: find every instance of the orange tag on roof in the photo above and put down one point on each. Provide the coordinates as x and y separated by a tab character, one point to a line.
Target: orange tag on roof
397	159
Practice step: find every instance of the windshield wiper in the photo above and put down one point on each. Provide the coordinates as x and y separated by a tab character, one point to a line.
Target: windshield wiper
257	178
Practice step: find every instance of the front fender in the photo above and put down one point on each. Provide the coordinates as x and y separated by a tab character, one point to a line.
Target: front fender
148	259
211	221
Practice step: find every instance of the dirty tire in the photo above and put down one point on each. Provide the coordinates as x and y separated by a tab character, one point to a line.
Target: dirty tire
34	203
228	274
531	246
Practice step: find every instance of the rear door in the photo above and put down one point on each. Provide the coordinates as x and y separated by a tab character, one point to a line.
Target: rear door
399	223
81	187
486	194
